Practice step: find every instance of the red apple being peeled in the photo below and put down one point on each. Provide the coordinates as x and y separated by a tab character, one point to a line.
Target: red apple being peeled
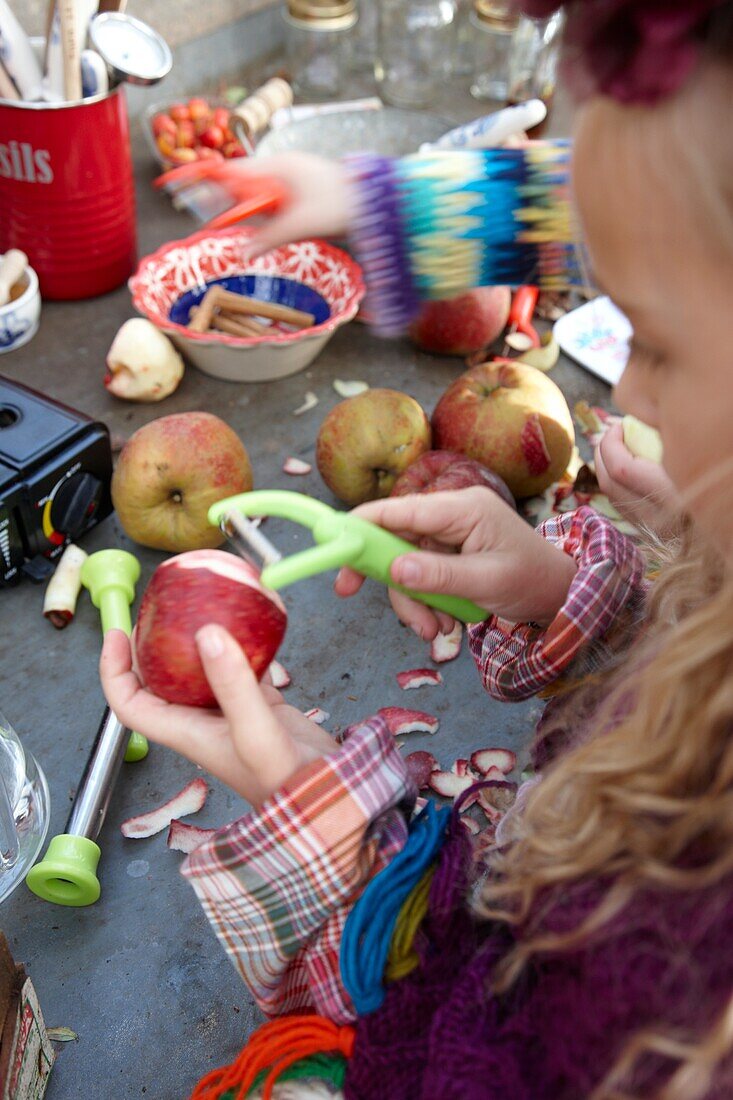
184	594
462	325
168	475
366	442
511	417
437	471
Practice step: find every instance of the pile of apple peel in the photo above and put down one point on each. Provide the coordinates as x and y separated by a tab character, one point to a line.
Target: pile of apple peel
182	837
487	770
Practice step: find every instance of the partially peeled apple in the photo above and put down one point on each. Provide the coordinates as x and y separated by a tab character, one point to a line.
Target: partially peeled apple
641	440
186	593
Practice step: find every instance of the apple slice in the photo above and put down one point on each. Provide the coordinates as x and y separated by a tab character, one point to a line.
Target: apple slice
317	715
418	677
349	387
188	801
400	720
446	647
184	838
421	766
472	826
460	767
484	759
296	467
642	440
279	675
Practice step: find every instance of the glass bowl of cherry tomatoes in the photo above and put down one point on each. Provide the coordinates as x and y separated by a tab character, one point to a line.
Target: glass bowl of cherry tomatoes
190	130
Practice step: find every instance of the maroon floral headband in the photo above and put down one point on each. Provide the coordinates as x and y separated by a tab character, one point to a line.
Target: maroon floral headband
636	51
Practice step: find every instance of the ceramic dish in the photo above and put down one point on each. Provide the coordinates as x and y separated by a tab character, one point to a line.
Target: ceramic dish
310	275
390	132
19	319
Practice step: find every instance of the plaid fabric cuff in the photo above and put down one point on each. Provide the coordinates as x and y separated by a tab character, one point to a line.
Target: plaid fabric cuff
517	661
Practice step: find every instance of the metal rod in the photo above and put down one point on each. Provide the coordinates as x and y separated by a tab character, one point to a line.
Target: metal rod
245	538
97	783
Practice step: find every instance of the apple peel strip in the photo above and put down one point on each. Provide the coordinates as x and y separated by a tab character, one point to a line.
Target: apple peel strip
401	721
184	838
188	801
315	714
418	677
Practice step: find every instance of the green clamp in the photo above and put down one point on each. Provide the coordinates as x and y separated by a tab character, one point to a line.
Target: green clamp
110	576
341	539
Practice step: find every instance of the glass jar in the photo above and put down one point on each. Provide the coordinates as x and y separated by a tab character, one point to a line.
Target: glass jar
415	45
493	26
363	38
24	809
463	56
533	63
317	41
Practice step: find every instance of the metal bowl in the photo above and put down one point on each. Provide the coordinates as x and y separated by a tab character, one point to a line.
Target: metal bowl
391	132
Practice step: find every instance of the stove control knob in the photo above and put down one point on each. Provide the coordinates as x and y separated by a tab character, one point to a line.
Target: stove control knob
75	502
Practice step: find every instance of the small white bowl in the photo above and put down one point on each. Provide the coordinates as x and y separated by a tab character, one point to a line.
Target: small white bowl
310	273
19	319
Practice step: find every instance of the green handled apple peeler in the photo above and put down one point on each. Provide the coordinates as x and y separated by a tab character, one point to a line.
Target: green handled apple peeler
341	539
67	874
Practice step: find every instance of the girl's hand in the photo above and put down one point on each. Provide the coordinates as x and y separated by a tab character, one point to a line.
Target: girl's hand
320	199
639	490
254	744
485	553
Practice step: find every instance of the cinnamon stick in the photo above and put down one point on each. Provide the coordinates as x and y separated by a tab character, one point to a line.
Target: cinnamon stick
232	327
200	316
239	303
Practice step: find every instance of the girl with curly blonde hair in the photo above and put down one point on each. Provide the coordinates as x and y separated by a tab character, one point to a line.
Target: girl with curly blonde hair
592	955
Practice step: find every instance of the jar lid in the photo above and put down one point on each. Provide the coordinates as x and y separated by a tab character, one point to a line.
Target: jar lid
500	16
323	14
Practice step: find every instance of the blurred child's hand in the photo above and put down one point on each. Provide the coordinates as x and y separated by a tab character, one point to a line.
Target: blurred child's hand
319	199
501	563
639	490
254	744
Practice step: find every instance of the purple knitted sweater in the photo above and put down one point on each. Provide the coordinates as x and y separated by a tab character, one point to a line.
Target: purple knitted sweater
666	962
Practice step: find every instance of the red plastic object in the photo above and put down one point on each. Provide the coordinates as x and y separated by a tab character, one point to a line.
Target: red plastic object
522	309
66	193
249	195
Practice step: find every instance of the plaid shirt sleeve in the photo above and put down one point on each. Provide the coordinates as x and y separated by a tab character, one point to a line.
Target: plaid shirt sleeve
277	885
517	660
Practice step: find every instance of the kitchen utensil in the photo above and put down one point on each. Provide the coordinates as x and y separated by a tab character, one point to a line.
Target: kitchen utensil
311	276
132	50
519	321
55	471
493	129
341	538
24	809
217	193
67	873
70	49
18	58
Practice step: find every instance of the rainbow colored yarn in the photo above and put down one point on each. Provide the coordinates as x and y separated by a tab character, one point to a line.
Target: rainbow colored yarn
436	224
496	216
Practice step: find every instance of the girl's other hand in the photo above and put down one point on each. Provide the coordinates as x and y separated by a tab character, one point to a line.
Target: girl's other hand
320	201
479	548
253	744
639	490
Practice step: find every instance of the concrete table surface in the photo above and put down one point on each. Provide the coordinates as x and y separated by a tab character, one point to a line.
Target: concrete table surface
140	976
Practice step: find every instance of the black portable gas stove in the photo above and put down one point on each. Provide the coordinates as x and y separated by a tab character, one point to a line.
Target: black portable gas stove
55	470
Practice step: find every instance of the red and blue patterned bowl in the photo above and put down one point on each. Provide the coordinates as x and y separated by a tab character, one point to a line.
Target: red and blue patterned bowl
310	275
